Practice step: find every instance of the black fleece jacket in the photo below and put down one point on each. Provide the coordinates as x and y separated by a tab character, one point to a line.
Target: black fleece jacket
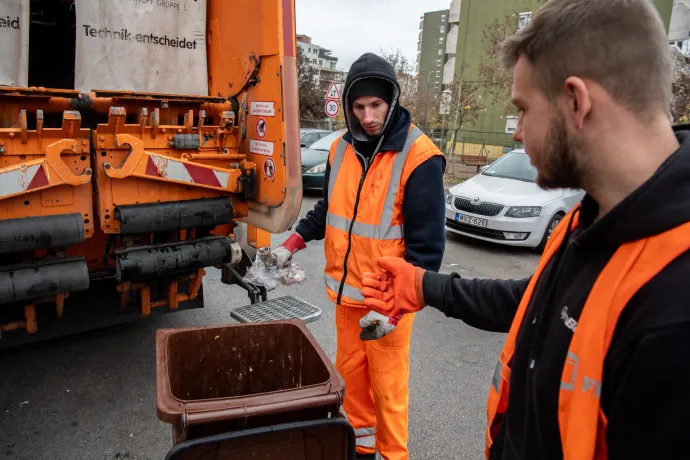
646	372
423	205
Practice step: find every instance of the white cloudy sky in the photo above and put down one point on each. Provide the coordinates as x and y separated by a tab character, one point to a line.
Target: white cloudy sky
351	28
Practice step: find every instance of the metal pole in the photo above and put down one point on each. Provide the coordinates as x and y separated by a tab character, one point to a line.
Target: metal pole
426	103
443	134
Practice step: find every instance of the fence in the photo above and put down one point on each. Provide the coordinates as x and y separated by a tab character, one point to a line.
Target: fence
467	151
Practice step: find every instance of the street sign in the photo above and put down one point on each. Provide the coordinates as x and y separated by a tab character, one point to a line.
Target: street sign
333	92
444	108
332	107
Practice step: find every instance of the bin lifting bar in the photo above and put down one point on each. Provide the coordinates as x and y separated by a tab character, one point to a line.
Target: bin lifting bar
147	165
173	296
49	171
30	323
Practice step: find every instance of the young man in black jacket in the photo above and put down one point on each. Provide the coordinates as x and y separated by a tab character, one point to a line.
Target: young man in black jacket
592	82
382	195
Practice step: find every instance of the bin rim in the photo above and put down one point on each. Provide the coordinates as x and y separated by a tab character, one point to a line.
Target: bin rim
229	436
175	410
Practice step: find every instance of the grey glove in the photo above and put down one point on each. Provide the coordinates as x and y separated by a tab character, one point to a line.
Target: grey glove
375	325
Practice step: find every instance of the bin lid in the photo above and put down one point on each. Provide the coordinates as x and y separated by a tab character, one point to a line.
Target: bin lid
326	439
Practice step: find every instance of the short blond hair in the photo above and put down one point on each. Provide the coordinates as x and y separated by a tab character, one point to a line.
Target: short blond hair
621	45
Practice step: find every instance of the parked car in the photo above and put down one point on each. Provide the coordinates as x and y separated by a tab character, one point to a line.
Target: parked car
504	204
307	136
314	161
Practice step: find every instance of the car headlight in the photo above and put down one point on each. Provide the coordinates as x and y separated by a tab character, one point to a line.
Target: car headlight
318	169
520	212
449	197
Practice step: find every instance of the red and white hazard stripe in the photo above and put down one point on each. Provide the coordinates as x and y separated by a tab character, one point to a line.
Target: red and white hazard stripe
22	179
185	172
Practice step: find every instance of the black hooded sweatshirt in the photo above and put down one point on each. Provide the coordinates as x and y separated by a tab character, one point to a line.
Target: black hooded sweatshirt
647	368
423	206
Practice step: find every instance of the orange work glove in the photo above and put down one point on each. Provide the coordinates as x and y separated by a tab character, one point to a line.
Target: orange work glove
396	289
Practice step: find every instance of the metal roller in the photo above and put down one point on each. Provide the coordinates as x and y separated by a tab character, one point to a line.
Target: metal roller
31	233
146	262
158	217
43	279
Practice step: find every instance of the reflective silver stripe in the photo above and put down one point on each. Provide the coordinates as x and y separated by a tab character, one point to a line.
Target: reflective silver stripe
348	291
384	230
367	441
396	174
366	230
365	431
496	379
335	166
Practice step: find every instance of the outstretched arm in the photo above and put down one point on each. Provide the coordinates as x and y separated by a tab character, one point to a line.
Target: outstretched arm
485	304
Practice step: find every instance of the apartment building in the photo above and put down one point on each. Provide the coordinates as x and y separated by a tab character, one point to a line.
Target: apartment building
451	44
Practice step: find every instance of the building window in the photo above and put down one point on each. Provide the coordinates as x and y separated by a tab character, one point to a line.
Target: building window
310	50
524	19
438	63
320	61
442	29
314	61
440	41
438	74
437	85
316	51
440	52
443	18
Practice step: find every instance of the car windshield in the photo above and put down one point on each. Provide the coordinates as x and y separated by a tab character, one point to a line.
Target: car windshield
515	165
326	142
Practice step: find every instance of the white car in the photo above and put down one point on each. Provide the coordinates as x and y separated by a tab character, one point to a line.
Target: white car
503	204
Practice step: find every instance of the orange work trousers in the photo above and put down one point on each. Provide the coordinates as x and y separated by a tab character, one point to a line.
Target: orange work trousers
376	374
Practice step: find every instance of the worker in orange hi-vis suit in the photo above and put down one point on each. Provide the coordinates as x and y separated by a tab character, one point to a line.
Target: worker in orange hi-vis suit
382	196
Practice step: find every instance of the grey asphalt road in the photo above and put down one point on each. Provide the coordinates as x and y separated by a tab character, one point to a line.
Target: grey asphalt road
93	396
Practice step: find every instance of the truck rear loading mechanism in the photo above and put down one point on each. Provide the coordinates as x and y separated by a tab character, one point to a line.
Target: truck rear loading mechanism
114	204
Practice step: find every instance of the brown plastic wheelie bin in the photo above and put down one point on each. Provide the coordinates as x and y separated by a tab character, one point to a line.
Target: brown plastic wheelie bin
220	379
327	439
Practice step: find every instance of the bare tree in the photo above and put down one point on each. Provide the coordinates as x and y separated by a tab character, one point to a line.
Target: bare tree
465	106
404	71
311	101
496	81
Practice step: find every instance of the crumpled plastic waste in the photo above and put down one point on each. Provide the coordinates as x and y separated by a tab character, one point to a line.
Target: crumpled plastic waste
264	272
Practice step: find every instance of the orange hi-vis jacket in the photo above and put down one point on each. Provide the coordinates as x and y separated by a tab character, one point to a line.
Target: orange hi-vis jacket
581	421
365	219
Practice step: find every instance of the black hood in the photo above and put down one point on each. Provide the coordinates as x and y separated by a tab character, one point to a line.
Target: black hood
370	65
658	205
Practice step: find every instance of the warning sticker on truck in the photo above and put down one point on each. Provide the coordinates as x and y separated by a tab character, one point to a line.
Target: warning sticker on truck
14	42
142	45
261	147
262	109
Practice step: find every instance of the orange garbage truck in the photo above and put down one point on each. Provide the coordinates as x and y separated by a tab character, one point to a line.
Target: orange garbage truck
141	142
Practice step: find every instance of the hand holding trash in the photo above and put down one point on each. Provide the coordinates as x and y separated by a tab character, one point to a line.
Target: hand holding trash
276	267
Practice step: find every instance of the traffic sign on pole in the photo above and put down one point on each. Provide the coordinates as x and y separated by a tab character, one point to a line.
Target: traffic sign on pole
333	92
332	107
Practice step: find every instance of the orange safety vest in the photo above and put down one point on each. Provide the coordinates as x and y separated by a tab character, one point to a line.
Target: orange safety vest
581	421
365	220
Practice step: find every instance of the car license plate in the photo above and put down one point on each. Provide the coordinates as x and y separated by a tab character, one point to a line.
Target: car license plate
476	221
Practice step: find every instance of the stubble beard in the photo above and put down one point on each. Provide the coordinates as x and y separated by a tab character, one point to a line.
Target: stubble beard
564	166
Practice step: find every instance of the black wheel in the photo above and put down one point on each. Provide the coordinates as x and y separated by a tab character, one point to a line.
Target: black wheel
553	223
